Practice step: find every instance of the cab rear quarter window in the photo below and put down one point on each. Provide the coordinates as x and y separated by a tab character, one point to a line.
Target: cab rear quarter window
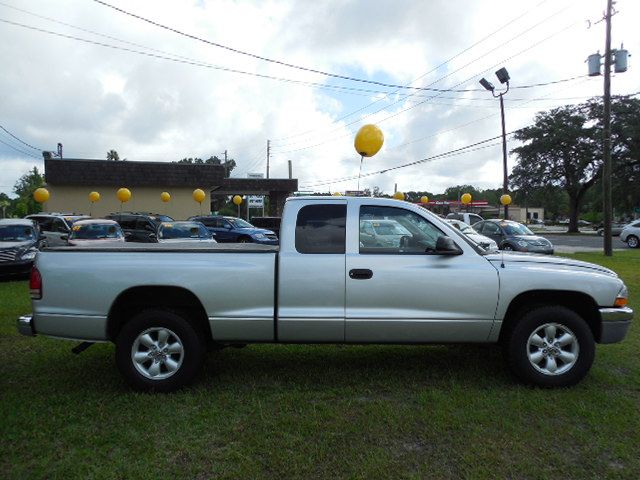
321	229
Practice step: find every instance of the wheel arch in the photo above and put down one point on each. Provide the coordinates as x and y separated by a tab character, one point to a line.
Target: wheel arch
136	299
579	302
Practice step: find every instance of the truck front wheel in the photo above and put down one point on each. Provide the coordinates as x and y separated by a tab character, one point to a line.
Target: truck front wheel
550	346
159	350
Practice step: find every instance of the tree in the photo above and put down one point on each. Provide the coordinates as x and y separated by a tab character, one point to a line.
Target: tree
24	188
113	156
228	164
563	150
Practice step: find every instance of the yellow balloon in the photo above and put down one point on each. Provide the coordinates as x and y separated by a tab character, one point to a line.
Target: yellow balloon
424	199
199	195
398	196
237	199
369	140
41	195
165	197
466	198
337	194
94	197
505	199
123	194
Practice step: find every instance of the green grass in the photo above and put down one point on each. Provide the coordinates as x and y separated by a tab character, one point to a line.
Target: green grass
317	412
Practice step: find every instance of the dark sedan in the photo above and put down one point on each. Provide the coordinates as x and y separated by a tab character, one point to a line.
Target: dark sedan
511	235
232	229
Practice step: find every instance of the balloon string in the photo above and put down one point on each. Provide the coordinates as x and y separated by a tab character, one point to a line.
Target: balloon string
360	172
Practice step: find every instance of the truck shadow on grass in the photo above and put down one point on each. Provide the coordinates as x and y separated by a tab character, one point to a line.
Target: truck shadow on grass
335	366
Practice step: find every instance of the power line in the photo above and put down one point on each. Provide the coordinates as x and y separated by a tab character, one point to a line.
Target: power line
460	150
18	150
270	60
21	141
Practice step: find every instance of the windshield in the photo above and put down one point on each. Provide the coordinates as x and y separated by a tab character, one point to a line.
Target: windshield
162	218
16	233
515	229
183	230
239	223
390	229
95	231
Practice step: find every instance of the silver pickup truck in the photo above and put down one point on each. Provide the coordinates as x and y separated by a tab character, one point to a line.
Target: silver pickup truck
164	305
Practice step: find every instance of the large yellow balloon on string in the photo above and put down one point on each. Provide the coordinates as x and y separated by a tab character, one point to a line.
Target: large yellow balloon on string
505	199
398	196
424	199
123	194
337	194
369	140
41	195
466	198
237	200
165	197
94	197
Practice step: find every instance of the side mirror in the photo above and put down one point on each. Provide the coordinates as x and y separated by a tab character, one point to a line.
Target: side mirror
153	236
446	246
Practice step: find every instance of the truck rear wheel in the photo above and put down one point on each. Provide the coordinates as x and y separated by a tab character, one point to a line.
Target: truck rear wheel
550	346
159	350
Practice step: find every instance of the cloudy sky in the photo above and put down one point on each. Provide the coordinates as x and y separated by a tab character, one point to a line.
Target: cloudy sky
153	94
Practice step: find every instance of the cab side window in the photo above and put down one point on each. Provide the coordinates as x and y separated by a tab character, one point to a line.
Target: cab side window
396	231
59	226
490	228
321	229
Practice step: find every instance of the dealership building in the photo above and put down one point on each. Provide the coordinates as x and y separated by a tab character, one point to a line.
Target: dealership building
70	181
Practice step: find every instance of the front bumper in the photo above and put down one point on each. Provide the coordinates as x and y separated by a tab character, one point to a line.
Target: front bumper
15	268
25	325
615	324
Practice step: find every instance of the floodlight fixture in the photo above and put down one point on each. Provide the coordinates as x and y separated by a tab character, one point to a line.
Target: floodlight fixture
503	75
487	84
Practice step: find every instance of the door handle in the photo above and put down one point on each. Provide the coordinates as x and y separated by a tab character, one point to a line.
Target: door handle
360	274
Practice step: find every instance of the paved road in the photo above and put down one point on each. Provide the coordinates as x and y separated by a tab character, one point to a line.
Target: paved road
581	243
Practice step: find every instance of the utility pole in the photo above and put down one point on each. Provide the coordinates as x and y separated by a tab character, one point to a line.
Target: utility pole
290	170
606	167
268	155
225	156
505	178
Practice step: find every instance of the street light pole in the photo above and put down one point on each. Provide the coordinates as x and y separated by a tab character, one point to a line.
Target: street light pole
504	78
505	178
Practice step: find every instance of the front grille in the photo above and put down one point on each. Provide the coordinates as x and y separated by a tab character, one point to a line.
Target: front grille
8	255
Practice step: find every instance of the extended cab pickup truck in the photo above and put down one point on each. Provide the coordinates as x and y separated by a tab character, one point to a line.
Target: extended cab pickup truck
163	305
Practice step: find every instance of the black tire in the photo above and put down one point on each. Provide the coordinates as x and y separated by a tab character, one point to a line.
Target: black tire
632	241
508	248
244	240
518	347
181	333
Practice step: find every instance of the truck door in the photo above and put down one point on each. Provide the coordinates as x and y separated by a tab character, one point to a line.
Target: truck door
405	293
311	289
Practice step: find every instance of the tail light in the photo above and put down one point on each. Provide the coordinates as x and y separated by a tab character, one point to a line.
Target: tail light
35	284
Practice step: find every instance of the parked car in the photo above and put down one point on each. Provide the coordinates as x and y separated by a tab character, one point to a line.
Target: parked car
468	218
233	229
485	242
382	233
95	231
139	227
631	234
54	226
616	229
188	231
162	307
19	242
510	235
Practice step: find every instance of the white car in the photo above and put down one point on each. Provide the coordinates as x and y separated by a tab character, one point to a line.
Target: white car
187	231
485	242
95	232
631	234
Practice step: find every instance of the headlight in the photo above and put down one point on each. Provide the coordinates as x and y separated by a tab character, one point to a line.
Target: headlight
522	243
29	254
259	235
